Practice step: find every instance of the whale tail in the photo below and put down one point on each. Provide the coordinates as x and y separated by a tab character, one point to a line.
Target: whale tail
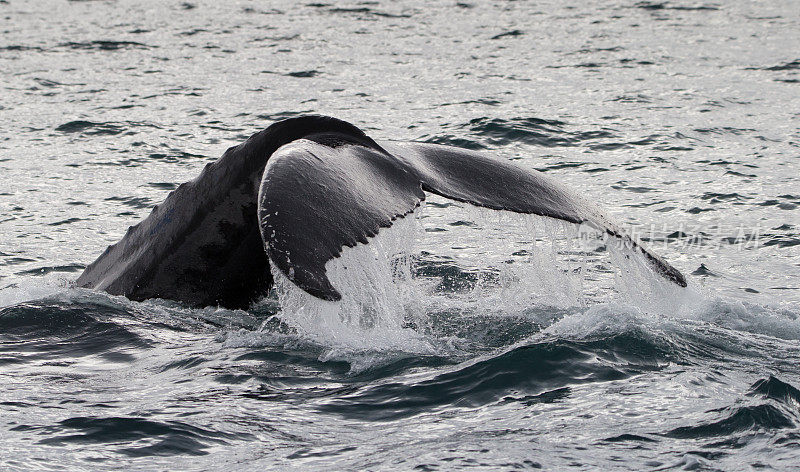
319	196
303	189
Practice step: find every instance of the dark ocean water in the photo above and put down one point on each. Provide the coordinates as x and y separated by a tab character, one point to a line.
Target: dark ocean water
467	339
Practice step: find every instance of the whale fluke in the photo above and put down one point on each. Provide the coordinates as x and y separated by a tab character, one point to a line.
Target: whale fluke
316	199
297	193
472	177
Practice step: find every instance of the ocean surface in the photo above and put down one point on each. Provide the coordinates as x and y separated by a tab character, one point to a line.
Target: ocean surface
467	339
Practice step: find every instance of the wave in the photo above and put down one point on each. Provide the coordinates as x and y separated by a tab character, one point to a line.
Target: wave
160	438
770	404
529	373
33	332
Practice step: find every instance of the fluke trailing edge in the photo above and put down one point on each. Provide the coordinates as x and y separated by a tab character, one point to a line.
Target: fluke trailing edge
294	195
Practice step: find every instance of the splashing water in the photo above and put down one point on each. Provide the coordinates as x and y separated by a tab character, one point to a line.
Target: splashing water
374	281
504	264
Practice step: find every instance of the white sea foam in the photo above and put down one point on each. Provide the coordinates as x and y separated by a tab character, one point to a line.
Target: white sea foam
33	288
